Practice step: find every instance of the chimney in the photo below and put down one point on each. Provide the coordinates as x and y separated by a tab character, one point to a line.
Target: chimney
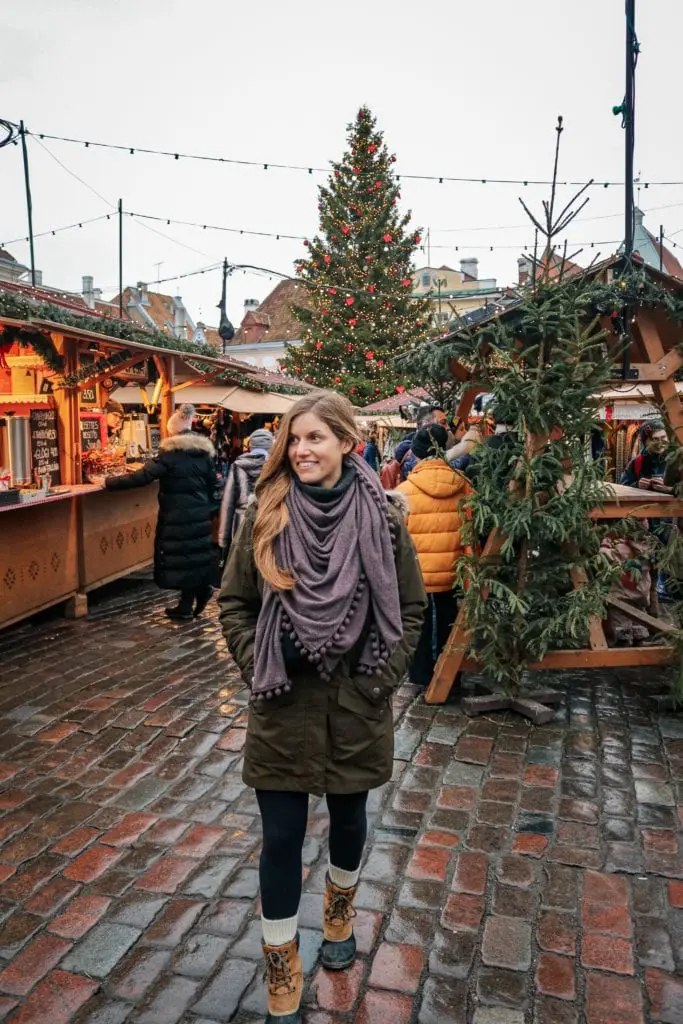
178	317
523	270
470	267
251	305
88	291
97	294
144	293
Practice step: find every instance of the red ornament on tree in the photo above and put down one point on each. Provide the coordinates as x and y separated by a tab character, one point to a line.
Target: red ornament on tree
349	348
337	380
305	241
400	388
380	362
318	345
418	239
406	282
371	288
346	229
328	259
369	355
356	170
388	238
331	291
353	321
349	300
378	184
372	147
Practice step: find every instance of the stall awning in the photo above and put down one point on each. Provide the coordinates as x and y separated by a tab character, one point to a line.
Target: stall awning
234	398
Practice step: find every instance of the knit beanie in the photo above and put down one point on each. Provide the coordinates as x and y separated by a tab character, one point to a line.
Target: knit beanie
261	439
429	441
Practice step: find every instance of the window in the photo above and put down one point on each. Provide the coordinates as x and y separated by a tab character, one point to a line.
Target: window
426	280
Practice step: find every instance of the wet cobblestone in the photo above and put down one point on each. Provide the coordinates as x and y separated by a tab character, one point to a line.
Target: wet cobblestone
514	875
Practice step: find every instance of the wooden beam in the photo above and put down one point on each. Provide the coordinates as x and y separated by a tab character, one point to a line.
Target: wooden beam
613	657
648	510
67	402
640	616
166	368
663	369
449	665
596	634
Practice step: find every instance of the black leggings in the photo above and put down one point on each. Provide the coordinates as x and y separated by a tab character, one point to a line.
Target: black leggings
284	817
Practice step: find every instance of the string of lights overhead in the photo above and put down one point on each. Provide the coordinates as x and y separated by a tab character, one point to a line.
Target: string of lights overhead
267	165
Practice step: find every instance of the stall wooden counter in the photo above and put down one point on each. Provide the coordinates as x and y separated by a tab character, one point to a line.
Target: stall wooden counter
59	547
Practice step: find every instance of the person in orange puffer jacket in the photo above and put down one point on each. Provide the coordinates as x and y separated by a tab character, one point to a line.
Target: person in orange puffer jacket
434	492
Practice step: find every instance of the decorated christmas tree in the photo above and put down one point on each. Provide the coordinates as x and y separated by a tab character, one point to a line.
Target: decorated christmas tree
357	271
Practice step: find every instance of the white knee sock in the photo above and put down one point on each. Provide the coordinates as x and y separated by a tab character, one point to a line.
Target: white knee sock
278	933
344	879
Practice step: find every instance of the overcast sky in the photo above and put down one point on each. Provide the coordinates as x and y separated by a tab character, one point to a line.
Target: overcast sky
460	87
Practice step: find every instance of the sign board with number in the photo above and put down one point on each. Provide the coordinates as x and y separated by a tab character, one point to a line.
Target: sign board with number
93	430
45	444
89	396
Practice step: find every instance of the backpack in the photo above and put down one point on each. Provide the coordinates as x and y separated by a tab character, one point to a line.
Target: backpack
390	475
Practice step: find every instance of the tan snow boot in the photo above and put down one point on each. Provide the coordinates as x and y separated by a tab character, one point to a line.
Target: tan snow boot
284	978
338	950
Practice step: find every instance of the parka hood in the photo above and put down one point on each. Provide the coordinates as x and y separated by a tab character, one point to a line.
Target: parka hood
437	479
188	441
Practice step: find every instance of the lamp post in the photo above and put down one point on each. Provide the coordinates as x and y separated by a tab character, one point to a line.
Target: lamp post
226	331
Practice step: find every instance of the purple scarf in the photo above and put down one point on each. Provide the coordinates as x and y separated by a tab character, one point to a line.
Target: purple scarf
341	554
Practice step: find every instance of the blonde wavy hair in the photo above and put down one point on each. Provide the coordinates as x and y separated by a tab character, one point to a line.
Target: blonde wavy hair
276	478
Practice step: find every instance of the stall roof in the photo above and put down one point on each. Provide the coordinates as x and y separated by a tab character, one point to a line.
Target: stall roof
235	398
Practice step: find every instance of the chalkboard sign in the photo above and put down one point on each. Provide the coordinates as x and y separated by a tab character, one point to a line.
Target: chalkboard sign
89	396
154	436
91	434
45	444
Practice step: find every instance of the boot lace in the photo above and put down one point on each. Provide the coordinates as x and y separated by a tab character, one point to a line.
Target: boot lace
278	973
340	908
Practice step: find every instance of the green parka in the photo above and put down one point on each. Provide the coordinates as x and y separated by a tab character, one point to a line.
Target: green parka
335	737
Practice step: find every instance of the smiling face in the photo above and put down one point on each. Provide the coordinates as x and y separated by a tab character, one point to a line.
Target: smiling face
657	442
315	452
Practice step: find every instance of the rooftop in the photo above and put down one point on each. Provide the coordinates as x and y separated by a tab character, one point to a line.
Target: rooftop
273	321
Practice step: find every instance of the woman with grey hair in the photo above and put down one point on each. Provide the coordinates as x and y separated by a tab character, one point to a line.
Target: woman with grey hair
183	552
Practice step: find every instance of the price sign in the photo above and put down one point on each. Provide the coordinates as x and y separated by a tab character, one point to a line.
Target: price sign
45	444
89	396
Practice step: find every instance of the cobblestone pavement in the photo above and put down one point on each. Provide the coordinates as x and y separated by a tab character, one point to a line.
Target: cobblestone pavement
514	875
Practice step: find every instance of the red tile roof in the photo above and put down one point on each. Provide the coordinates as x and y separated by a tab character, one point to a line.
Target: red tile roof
273	320
65	300
394	402
160	309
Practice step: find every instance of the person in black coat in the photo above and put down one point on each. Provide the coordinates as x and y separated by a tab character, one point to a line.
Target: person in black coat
183	552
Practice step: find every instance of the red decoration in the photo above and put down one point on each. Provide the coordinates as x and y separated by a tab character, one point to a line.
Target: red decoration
380	362
328	259
336	174
337	380
346	229
417	239
349	348
331	291
356	170
368	259
371	288
406	282
372	147
349	300
392	159
309	380
318	345
370	355
306	242
378	184
353	321
400	388
388	238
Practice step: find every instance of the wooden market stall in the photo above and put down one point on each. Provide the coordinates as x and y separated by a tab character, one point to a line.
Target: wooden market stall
61	537
655	360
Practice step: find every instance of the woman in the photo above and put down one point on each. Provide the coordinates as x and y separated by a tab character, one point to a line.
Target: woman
183	552
371	451
321	605
240	485
434	492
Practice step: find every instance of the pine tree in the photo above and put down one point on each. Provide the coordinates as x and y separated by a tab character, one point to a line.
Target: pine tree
359	312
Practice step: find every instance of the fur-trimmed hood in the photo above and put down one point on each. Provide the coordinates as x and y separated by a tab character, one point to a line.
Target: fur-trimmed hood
188	441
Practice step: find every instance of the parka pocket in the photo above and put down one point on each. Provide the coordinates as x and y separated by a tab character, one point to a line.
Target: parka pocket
364	696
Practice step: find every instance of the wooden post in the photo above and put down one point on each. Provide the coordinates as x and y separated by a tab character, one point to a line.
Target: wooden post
166	368
67	401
